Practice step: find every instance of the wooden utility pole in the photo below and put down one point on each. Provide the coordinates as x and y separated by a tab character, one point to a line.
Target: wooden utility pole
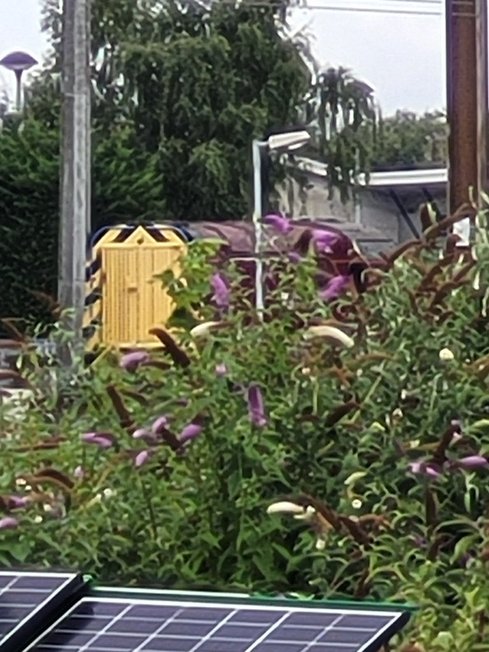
75	157
483	95
466	27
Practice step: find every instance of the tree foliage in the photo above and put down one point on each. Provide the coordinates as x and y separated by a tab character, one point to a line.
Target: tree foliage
408	140
28	217
196	82
179	92
343	112
192	85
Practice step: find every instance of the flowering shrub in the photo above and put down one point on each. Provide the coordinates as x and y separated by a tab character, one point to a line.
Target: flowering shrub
359	422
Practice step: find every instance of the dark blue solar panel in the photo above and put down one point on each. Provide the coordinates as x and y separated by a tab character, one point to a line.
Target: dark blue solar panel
133	625
28	602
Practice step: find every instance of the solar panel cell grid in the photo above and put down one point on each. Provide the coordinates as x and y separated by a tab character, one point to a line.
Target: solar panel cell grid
26	599
124	625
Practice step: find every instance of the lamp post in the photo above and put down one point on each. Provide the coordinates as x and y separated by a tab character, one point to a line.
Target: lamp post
18	62
284	142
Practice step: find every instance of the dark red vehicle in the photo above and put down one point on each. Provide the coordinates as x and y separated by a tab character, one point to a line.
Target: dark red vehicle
239	242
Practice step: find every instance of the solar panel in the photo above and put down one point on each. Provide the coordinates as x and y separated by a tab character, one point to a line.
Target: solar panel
124	624
29	602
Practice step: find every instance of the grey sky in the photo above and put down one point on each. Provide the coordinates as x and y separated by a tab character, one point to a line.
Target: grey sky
401	56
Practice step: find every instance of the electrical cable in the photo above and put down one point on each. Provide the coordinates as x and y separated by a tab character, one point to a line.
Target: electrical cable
420	2
353	9
377	10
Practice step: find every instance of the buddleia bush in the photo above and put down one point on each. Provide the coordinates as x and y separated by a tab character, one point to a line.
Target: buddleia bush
334	446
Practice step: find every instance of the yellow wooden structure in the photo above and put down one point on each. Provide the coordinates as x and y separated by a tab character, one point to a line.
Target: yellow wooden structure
124	300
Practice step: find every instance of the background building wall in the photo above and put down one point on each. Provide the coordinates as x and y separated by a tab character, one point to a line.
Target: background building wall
379	212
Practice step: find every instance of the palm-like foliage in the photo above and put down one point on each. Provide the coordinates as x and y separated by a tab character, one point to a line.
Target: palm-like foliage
339	107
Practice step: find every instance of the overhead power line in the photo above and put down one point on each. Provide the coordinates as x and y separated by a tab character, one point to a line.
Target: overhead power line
379	10
419	2
389	8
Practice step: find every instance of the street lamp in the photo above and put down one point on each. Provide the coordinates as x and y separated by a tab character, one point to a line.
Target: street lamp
283	142
18	62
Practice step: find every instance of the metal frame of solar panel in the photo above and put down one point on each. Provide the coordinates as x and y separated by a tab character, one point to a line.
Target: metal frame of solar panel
142	621
30	601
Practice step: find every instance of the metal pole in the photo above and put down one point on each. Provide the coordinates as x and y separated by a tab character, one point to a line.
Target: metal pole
18	90
462	101
258	227
75	174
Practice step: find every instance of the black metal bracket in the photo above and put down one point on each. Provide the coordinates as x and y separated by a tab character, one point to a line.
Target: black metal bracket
404	214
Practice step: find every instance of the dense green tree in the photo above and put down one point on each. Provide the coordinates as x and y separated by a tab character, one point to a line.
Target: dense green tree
193	83
28	217
179	92
408	140
189	86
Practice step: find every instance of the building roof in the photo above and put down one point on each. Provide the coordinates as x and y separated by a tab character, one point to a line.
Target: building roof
386	179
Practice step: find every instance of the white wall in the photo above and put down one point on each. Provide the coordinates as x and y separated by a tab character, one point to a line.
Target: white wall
317	203
378	211
375	209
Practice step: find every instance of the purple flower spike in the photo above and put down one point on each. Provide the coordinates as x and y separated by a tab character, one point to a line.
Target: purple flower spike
140	433
221	370
159	425
148	436
190	432
431	472
324	240
221	296
422	468
131	361
278	222
17	502
141	458
256	407
472	462
8	523
100	439
294	257
335	287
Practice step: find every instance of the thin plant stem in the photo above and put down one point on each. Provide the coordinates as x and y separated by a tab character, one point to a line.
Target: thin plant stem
149	502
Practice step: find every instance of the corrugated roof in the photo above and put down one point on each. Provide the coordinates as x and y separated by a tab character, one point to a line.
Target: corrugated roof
394	178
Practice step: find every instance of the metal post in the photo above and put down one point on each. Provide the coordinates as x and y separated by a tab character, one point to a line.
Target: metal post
88	123
18	90
75	176
258	227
